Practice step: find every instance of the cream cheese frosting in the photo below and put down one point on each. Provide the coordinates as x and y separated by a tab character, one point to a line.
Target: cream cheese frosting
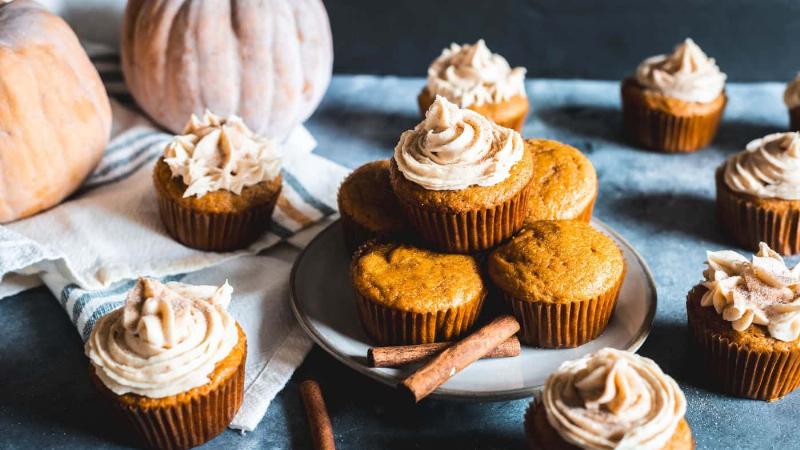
686	74
769	167
791	96
763	291
166	339
215	153
473	75
613	399
454	148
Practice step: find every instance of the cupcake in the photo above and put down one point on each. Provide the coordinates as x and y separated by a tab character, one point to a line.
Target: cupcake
791	97
367	205
473	77
674	102
744	319
565	181
407	295
609	399
171	362
561	279
217	184
462	180
758	193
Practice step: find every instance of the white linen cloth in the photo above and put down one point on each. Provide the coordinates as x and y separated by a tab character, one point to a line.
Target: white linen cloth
90	249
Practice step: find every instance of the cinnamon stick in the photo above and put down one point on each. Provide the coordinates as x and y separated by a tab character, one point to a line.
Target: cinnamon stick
458	356
318	421
403	355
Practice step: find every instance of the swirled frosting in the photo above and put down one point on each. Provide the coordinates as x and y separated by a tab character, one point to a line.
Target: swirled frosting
165	340
613	399
221	154
455	148
791	96
762	291
473	75
686	74
768	167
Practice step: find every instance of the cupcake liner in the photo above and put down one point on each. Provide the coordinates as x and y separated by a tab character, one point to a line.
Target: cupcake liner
354	234
656	129
749	222
470	231
564	325
196	416
217	232
760	374
794	118
388	326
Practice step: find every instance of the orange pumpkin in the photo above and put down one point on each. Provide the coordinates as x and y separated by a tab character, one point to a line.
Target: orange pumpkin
266	61
55	118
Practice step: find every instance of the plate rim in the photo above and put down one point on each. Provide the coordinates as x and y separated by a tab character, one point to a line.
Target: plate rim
458	394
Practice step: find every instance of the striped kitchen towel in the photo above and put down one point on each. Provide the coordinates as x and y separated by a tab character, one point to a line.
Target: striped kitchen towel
89	249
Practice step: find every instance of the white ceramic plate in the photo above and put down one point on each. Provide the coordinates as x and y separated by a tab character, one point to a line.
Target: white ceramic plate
322	299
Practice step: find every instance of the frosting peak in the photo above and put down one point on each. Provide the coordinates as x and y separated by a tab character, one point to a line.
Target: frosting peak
215	153
613	399
768	167
687	74
166	339
473	75
763	291
455	148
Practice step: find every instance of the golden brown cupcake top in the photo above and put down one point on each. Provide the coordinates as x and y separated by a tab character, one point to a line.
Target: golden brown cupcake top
366	195
415	279
565	181
557	262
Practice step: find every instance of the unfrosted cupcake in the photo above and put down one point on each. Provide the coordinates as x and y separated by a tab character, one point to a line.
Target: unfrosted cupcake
462	180
758	193
217	184
791	97
171	362
745	320
674	102
606	400
473	77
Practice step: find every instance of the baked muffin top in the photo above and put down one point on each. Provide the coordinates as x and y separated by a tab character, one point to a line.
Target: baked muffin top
366	195
557	262
564	179
413	279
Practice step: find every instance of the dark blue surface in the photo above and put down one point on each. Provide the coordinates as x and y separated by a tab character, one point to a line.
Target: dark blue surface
663	204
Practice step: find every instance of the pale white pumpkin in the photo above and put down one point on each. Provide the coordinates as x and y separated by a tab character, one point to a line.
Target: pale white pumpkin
55	117
268	61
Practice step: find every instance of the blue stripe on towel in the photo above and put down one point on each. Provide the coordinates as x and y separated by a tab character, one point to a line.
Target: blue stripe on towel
305	195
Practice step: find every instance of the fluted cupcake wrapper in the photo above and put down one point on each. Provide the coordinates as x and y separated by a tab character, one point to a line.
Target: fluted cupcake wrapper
563	325
388	326
749	223
193	420
659	130
353	233
217	232
470	231
794	118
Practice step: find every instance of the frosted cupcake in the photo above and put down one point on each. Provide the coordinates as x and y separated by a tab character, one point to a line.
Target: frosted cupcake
606	400
462	180
217	184
171	362
745	320
674	102
473	77
791	97
758	193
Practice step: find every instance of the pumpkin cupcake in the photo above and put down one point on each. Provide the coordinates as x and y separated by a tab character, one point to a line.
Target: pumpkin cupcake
407	295
462	180
744	319
171	362
473	77
791	97
758	193
609	399
217	184
565	181
674	103
367	205
561	279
